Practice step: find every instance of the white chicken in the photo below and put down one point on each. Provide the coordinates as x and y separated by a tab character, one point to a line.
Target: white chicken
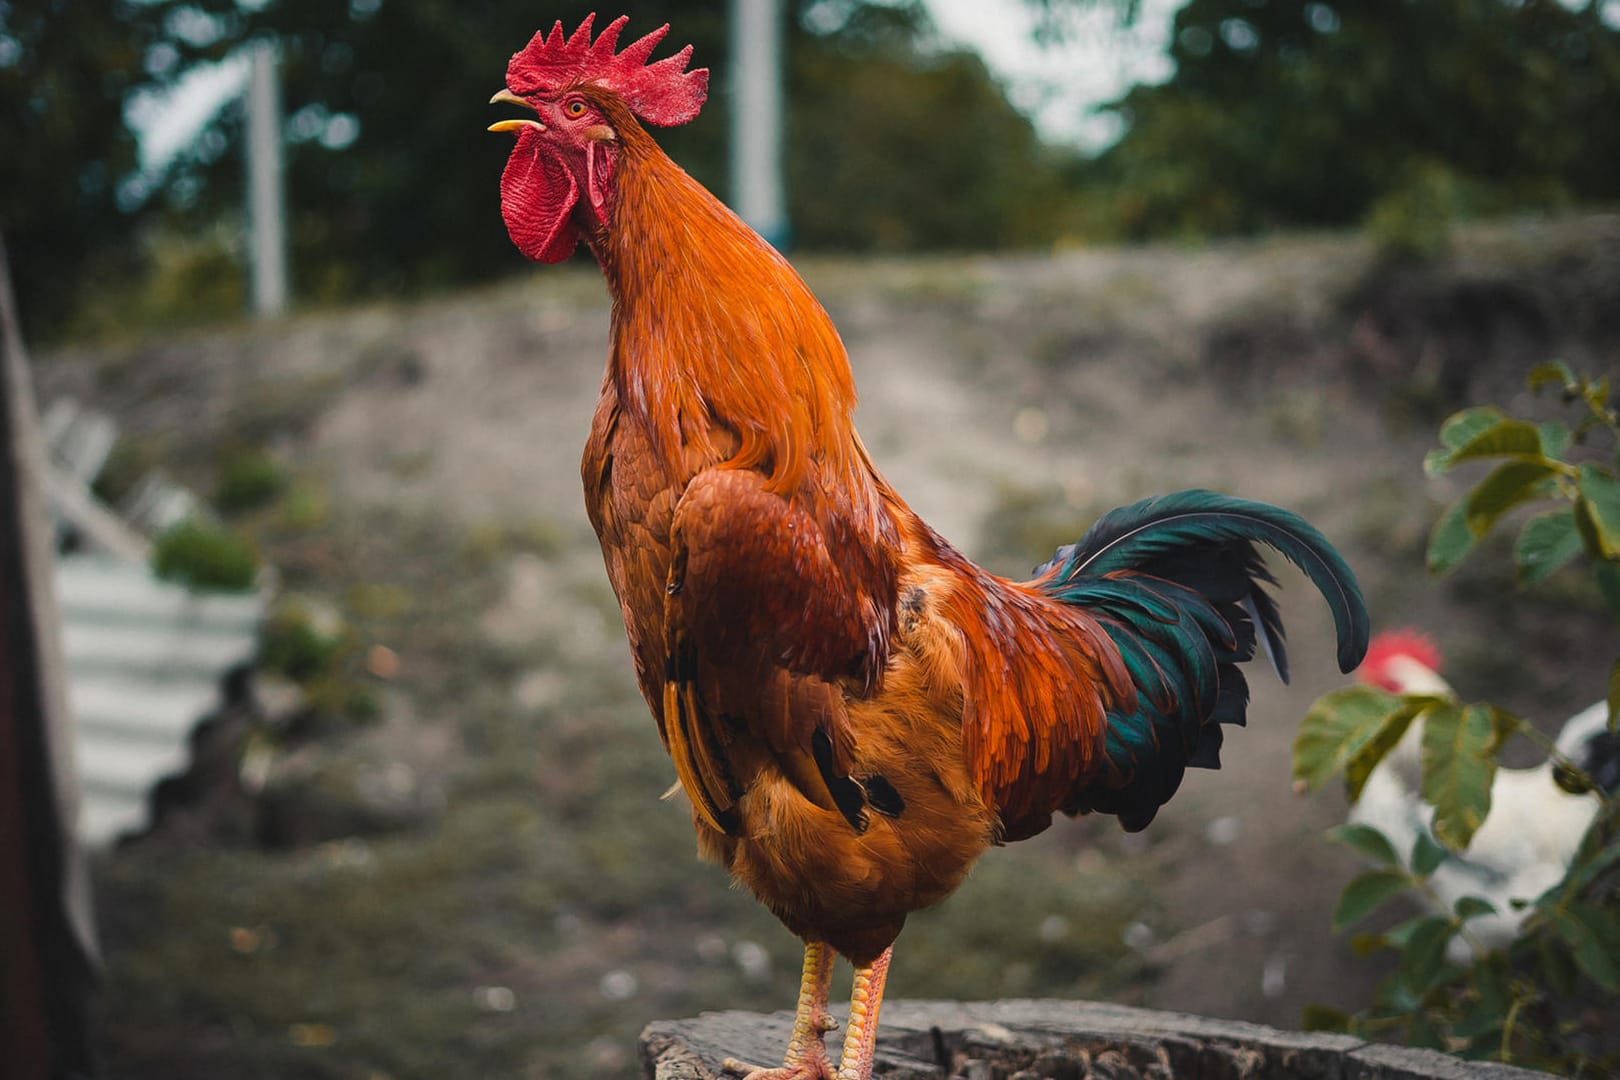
1535	825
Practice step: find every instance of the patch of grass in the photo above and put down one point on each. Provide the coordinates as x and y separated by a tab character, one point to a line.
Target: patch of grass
489	542
283	408
305	507
248	480
291	643
1020	927
204	556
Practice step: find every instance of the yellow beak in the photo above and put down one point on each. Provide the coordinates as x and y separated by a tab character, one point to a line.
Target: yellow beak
515	124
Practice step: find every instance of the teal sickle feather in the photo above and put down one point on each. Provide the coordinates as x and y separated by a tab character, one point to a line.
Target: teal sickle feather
1179	585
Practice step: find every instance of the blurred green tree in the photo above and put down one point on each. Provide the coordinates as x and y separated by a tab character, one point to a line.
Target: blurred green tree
1312	112
65	73
392	179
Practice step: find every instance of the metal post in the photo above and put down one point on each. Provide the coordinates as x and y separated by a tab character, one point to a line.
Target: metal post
756	117
266	200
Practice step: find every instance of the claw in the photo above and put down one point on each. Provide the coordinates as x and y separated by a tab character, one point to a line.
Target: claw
816	1069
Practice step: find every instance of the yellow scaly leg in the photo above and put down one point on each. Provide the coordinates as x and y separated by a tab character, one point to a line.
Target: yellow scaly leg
807	1050
865	999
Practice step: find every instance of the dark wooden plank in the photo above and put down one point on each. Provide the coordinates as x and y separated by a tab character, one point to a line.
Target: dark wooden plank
47	951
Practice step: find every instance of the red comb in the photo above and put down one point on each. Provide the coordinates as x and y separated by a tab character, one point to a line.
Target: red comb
1392	645
663	93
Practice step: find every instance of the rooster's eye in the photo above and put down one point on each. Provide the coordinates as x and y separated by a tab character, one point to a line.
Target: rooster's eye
576	108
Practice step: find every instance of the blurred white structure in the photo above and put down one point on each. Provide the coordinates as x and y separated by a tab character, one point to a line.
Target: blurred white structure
144	659
267	209
756	117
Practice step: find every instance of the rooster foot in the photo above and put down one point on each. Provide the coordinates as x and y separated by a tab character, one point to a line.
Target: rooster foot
804	1062
817	1068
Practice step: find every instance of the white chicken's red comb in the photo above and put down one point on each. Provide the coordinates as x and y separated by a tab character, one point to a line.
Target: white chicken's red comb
1390	645
662	93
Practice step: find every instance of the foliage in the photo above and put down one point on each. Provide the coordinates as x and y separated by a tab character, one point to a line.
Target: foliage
392	179
66	72
1532	1002
293	643
248	479
1320	112
892	178
1415	219
205	556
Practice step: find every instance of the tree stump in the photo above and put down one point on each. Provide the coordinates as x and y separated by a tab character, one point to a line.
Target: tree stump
1063	1040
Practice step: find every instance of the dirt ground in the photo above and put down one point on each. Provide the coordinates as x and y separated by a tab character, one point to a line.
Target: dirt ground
1011	401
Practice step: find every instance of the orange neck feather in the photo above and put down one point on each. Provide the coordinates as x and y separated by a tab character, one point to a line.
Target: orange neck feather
717	342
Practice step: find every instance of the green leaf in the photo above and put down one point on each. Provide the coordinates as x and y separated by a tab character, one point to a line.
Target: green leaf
1600	498
1366	893
1547	542
1422	1033
1365	759
1424	956
1459	765
1583	873
1461	428
1597	394
1426	854
1510	484
1472	907
1555	437
1324	1018
1492	999
1614	695
1364	945
1400	935
1451	540
1366	840
1458	431
1557	967
1593	937
1506	436
1608	581
1336	727
1553	373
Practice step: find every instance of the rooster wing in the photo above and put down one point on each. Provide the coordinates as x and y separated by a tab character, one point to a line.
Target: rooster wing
773	613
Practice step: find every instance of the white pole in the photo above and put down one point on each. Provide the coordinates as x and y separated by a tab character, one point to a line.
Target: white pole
266	200
756	117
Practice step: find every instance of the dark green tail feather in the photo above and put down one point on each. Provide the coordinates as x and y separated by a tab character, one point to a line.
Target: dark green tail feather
1179	585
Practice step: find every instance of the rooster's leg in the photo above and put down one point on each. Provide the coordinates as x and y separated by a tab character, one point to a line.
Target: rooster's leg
860	1040
807	1051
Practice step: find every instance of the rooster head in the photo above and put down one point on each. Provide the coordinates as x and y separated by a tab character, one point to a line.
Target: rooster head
584	96
1402	662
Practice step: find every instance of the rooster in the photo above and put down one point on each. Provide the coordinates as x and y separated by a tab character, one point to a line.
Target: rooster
855	711
1538	816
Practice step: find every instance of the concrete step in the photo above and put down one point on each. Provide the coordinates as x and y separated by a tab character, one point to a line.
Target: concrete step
137	708
128	767
144	659
105	816
153	649
114	590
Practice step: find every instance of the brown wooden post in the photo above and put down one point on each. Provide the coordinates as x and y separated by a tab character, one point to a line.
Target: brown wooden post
47	942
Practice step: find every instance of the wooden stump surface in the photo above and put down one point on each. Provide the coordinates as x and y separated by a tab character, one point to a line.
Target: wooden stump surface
1065	1040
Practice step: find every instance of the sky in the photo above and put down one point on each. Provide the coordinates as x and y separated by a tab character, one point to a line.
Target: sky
1056	86
1059	85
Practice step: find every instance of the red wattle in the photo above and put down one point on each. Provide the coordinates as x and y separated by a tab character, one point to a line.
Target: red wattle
537	195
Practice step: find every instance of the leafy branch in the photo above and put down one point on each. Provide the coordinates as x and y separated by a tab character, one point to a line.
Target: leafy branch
1450	989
